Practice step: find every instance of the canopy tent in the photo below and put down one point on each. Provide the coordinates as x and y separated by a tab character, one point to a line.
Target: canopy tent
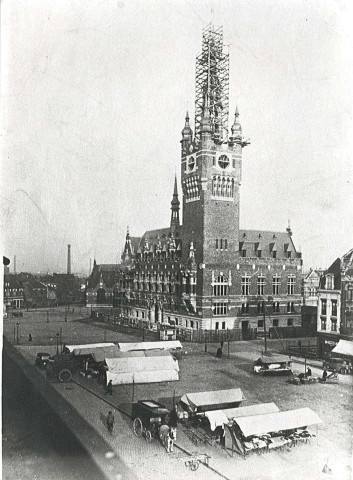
216	418
221	417
272	359
162	345
344	347
90	346
250	410
100	354
142	370
277	421
216	400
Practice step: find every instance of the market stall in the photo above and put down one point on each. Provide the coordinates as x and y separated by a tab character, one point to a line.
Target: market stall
161	345
270	431
273	365
200	402
142	370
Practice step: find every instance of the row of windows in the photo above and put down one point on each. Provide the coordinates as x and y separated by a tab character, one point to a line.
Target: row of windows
259	253
333	324
220	308
333	307
221	244
260	323
276	282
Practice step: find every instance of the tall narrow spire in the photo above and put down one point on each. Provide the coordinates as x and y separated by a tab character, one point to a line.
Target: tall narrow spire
175	206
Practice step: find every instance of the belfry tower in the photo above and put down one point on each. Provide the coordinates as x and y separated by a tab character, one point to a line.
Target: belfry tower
211	161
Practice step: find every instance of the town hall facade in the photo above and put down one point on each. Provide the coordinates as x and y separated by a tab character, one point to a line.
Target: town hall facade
205	272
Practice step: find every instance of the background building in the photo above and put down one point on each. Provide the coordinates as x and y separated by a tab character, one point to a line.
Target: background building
335	304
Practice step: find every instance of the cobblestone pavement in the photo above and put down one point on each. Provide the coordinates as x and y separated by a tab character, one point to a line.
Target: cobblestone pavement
200	371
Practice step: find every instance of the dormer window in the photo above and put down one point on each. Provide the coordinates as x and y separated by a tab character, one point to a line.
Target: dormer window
329	282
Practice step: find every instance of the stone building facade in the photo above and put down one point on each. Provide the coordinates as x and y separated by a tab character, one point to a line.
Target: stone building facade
207	273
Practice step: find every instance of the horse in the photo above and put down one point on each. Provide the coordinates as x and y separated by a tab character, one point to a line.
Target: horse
167	436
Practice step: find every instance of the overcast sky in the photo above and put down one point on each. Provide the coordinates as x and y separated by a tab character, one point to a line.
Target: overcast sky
94	95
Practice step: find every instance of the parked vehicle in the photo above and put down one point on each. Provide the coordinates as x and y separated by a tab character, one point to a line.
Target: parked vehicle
334	364
42	359
62	366
148	416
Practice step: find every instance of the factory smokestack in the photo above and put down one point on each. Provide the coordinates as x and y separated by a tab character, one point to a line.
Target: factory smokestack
69	259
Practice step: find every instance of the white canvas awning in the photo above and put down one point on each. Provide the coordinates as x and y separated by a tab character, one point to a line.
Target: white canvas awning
142	370
257	409
274	422
162	345
211	399
91	346
217	418
344	347
273	359
100	354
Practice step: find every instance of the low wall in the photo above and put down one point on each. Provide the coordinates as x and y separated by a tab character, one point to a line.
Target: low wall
64	423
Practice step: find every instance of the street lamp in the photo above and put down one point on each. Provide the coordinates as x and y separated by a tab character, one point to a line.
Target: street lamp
57	342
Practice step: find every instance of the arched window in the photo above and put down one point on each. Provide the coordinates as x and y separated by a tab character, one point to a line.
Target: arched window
101	295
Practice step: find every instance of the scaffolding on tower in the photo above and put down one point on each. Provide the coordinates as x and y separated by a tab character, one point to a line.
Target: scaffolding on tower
212	78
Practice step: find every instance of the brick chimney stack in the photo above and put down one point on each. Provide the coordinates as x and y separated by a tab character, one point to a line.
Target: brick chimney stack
69	259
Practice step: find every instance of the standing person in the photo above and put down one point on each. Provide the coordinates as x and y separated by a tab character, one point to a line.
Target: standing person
308	372
110	388
110	421
324	376
29	337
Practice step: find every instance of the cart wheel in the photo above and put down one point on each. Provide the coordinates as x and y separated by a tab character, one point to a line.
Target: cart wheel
137	427
194	465
148	436
65	375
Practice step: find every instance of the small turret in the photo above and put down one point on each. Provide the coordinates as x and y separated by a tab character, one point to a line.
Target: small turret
175	206
236	127
186	133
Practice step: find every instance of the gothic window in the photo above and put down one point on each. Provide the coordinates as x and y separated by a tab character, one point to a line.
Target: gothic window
221	243
275	322
220	287
275	306
324	306
260	285
334	325
290	307
289	322
214	185
261	307
323	324
245	285
276	281
244	308
290	284
232	190
220	308
334	308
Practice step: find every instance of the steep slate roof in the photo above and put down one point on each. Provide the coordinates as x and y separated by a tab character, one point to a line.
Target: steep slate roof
13	280
164	235
281	242
107	271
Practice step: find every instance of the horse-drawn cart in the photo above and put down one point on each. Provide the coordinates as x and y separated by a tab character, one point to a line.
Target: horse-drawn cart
148	416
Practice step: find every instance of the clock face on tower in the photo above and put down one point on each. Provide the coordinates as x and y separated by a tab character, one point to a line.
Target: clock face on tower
191	163
223	161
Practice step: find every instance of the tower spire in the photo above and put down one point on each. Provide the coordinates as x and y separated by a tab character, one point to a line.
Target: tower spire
175	206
